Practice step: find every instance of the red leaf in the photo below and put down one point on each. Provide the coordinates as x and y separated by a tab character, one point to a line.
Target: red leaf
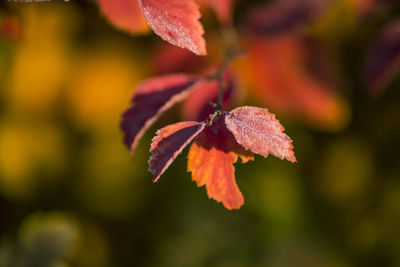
197	106
169	143
383	58
176	21
150	100
124	14
211	159
257	129
223	9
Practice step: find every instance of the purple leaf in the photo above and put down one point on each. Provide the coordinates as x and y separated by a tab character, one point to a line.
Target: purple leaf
285	15
151	99
169	143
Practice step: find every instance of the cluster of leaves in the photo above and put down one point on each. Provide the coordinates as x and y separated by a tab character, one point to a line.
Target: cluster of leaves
219	140
280	80
220	137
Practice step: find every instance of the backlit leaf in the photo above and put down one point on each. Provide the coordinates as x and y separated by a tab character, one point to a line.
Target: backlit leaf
124	14
150	100
169	143
258	130
176	21
211	159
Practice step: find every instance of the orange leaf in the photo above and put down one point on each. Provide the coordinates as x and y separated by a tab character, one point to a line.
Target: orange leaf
211	159
281	78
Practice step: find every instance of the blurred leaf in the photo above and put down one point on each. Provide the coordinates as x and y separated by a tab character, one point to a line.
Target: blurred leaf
284	16
278	73
124	14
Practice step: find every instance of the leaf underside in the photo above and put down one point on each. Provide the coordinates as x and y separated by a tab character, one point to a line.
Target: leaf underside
124	14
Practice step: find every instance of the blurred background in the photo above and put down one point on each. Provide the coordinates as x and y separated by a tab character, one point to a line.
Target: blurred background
71	194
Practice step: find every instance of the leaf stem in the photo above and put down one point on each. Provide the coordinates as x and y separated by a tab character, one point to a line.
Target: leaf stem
231	51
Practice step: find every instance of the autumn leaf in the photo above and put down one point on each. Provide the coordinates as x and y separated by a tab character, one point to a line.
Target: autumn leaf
151	99
169	143
383	58
211	159
258	130
124	14
176	21
219	142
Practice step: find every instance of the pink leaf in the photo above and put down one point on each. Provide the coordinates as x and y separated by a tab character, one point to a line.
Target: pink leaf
176	21
169	143
257	129
124	14
150	100
383	58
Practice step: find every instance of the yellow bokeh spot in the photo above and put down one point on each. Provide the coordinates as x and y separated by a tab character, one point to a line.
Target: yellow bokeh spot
41	62
26	151
102	85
